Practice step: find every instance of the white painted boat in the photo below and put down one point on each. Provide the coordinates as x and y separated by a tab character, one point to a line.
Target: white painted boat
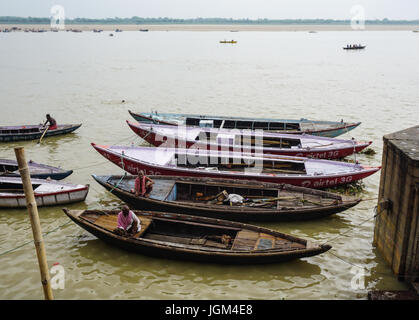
47	192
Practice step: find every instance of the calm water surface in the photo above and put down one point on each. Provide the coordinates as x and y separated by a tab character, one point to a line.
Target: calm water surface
82	78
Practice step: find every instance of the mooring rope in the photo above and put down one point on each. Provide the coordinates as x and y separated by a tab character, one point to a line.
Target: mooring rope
31	241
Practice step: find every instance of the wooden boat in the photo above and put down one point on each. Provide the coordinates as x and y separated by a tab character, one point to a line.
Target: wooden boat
185	237
304	172
33	132
354	48
318	128
200	196
47	192
228	41
9	168
144	30
247	141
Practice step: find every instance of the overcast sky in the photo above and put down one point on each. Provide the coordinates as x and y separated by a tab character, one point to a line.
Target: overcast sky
253	9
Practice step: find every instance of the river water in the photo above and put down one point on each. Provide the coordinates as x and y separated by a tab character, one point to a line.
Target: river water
83	78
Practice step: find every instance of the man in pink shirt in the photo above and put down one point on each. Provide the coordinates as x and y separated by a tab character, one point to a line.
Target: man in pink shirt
128	222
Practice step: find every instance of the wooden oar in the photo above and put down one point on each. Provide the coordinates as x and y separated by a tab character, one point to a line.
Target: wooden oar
46	129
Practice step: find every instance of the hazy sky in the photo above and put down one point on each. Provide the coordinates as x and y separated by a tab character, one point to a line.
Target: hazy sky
253	9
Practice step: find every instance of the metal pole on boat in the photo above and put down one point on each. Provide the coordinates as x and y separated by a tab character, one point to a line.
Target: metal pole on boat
35	223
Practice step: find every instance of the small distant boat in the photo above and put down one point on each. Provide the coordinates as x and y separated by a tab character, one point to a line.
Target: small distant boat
97	30
312	31
9	168
119	30
144	30
33	132
415	31
304	172
111	34
185	237
47	192
208	197
354	47
247	141
318	128
228	41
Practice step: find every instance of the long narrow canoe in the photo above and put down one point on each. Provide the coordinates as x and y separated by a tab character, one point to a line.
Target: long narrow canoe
304	172
9	168
47	192
185	237
261	202
33	132
247	141
354	48
314	127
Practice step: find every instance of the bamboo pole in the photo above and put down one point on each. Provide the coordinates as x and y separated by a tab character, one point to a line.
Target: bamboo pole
35	223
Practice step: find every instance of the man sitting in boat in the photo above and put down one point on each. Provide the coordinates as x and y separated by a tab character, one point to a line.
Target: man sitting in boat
143	185
128	222
52	123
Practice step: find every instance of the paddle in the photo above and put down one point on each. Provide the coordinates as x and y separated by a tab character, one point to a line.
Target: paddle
46	129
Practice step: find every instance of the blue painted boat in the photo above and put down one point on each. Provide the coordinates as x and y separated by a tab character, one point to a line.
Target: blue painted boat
320	128
33	132
9	168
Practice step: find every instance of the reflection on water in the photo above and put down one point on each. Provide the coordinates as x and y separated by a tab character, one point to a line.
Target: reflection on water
83	78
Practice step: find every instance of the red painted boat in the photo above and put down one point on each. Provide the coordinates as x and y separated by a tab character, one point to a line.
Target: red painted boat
247	141
297	171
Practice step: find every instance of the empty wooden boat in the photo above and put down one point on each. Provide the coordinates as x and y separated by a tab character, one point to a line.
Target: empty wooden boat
304	172
317	128
33	132
47	192
247	141
9	168
185	237
217	198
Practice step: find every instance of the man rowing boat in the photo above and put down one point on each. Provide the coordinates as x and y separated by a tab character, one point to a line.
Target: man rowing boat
52	123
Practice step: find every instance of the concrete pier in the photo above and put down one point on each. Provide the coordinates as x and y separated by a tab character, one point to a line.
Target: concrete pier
396	233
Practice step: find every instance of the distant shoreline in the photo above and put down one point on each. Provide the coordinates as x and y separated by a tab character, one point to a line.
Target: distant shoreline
215	27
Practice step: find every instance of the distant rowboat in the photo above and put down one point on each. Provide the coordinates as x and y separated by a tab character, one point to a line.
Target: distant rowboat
304	172
9	168
318	128
185	237
228	41
33	132
247	141
47	192
354	48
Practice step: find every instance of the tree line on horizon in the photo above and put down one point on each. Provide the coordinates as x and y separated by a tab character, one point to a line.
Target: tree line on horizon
138	21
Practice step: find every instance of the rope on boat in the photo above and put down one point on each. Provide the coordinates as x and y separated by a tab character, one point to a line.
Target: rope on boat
348	262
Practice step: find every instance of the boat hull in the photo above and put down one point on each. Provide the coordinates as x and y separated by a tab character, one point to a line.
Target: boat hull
154	138
242	214
6	136
46	193
167	251
332	130
134	166
9	168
